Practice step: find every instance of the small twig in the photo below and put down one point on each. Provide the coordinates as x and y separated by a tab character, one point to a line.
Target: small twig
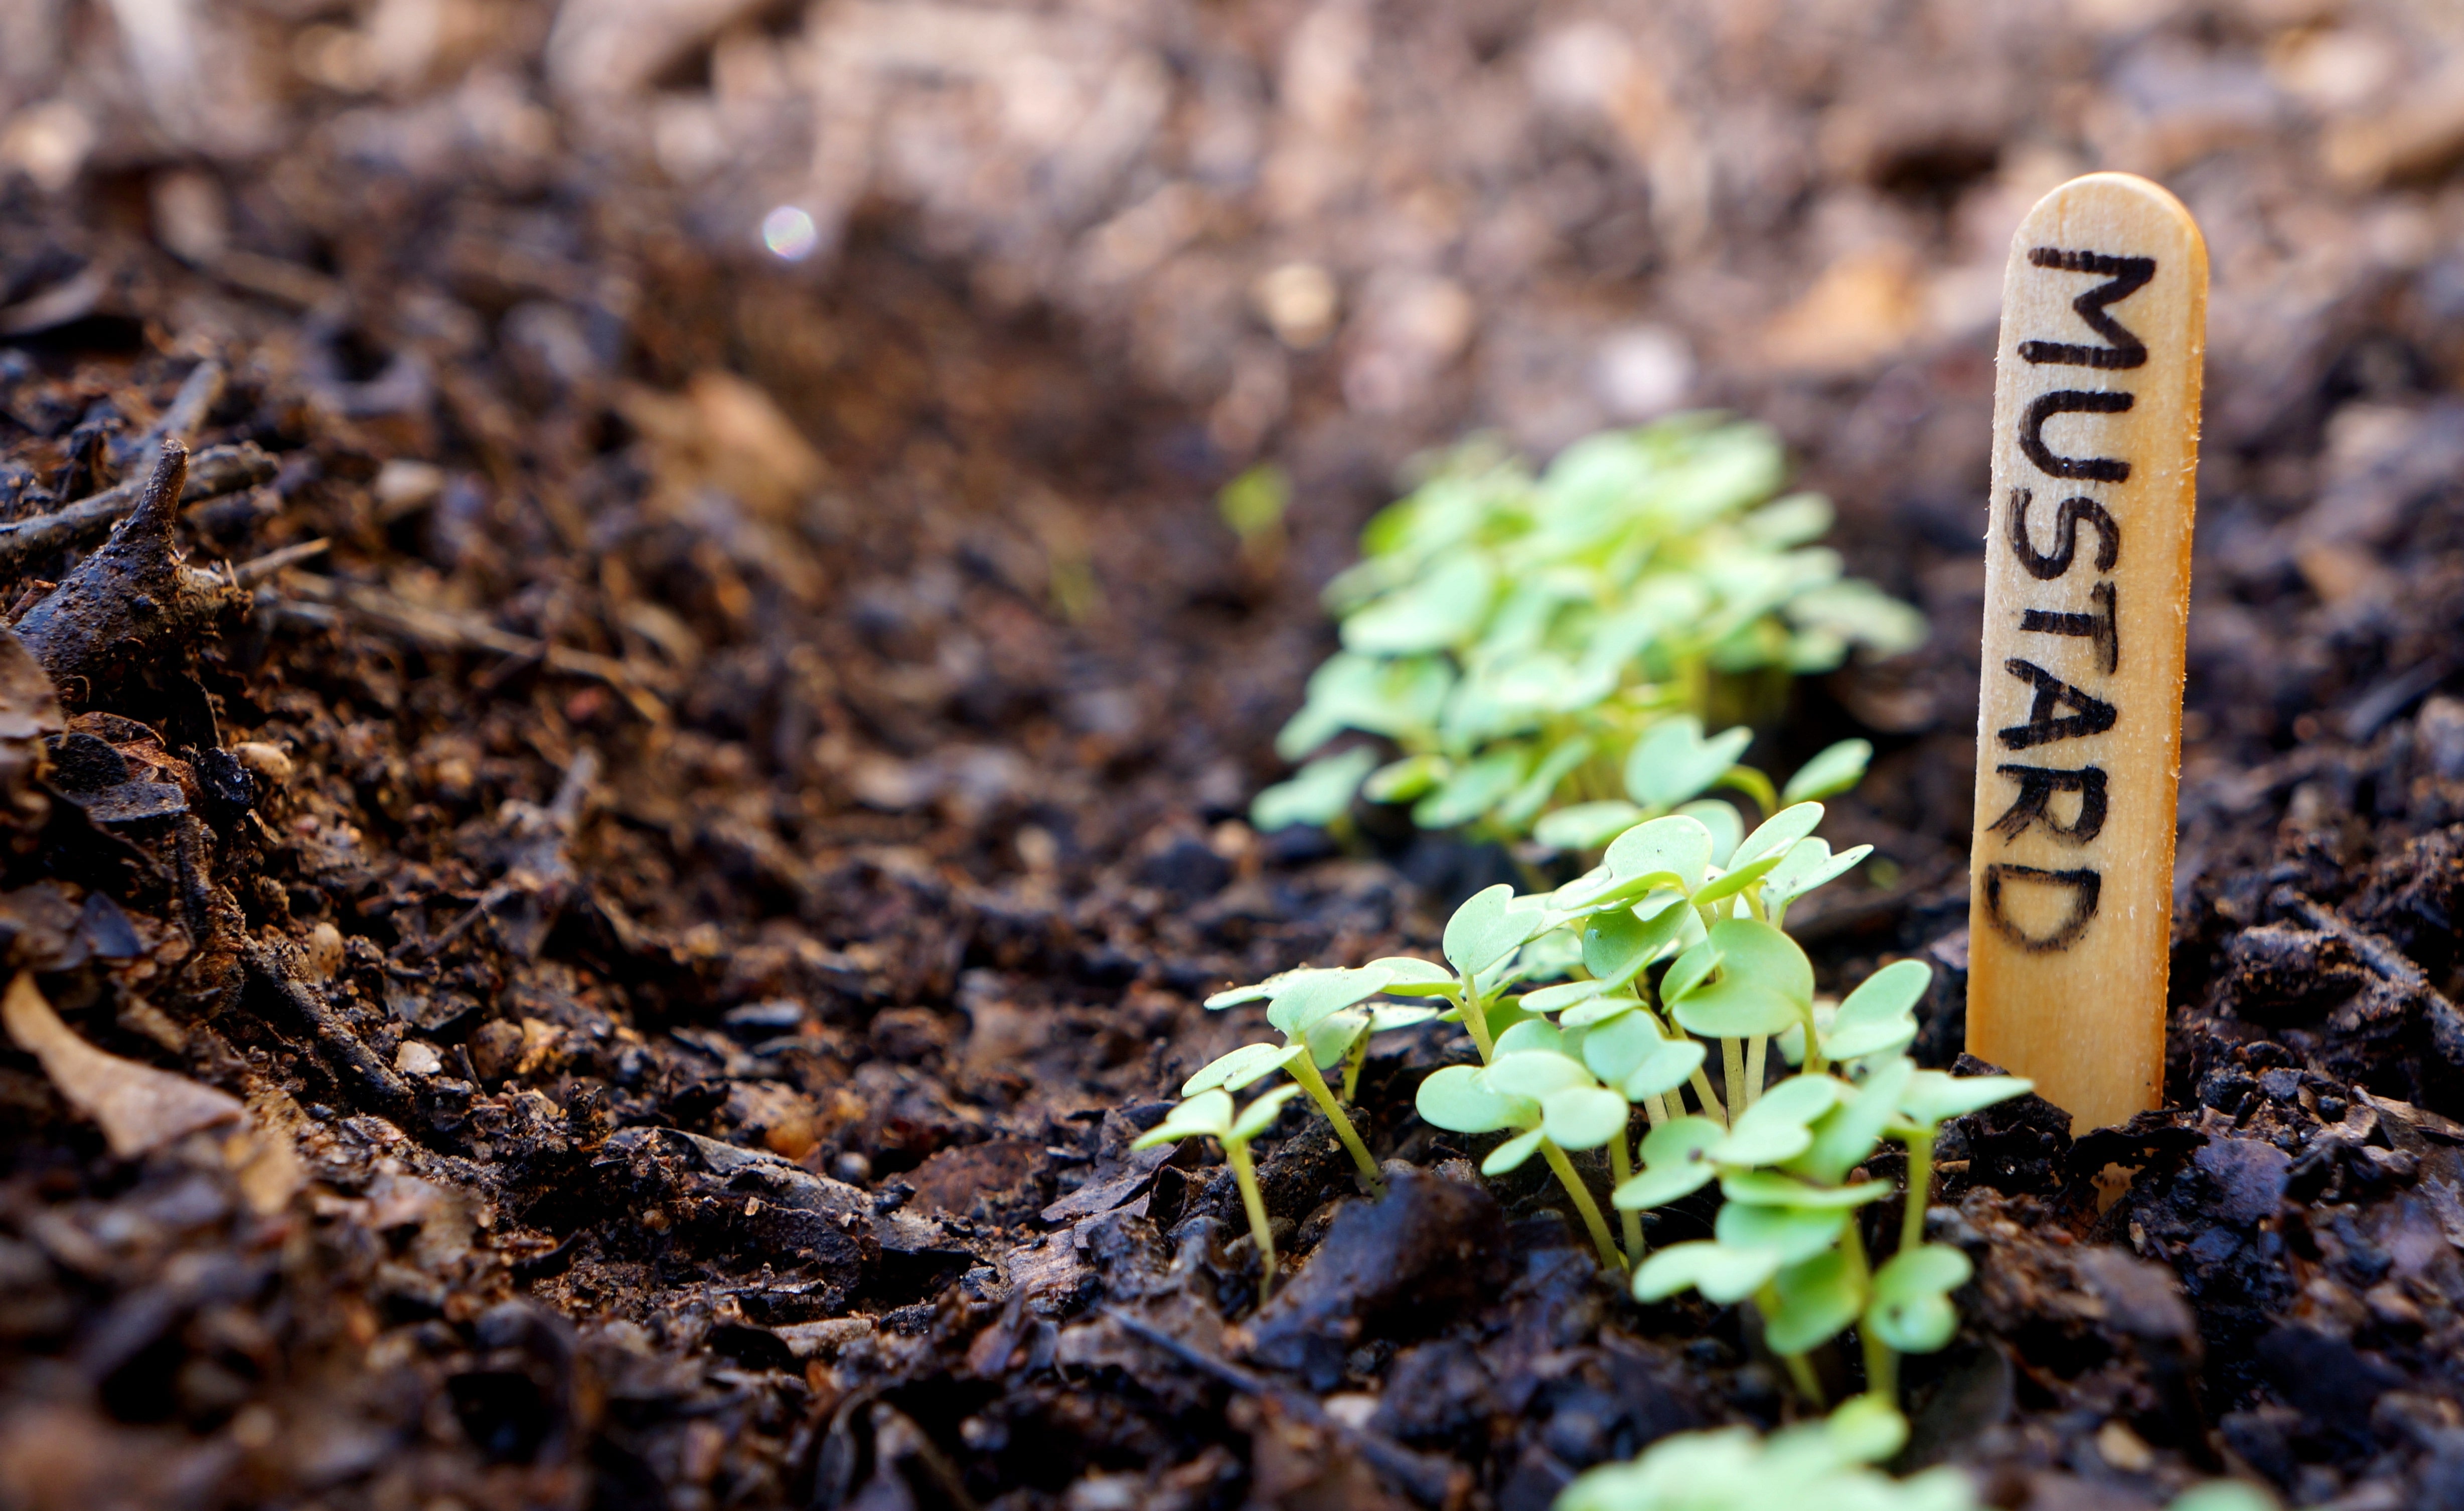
1429	1480
180	420
212	474
442	630
248	574
344	1050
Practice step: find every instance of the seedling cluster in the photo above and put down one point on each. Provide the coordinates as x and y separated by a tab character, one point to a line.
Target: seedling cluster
1607	996
1521	640
1825	1463
1828	1463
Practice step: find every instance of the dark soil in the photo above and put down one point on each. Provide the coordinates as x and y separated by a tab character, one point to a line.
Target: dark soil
696	799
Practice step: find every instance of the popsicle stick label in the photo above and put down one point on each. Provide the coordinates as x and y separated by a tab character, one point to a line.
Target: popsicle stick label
2096	416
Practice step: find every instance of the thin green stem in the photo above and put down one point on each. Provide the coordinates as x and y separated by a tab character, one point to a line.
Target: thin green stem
1354	1058
1757	1057
1235	1153
1920	1189
1882	1362
1584	1204
1629	1222
1655	1109
1800	1371
1709	1099
1753	784
1800	1374
1733	1071
1305	1071
1815	1061
1475	1021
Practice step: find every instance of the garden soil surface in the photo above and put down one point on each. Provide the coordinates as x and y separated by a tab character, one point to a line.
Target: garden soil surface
652	835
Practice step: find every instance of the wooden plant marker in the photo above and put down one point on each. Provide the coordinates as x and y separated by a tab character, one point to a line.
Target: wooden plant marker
2087	582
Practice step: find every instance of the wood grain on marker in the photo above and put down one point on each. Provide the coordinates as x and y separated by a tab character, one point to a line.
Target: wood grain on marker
2096	416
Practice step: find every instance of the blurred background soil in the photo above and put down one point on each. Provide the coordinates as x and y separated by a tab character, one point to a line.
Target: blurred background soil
699	877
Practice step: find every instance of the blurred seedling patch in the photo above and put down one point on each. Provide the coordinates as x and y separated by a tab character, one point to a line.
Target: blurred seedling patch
1542	653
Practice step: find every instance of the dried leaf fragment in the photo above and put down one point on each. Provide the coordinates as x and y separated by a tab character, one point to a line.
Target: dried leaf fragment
139	1109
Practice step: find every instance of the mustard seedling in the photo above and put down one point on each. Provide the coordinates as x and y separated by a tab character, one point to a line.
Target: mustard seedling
1828	1463
1787	1235
1552	1102
1209	1114
1833	1463
1521	639
1323	1027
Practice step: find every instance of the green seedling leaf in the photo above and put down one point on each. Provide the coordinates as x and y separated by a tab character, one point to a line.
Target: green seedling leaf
1911	1307
1673	851
1866	1429
1721	1274
1599	1010
1774	1129
1319	794
1583	1117
1586	825
1817	1297
1725	826
1407	976
1674	761
1402	780
1456	1099
1206	1115
1790	521
1729	882
1541	785
1835	769
1331	1038
1305	998
2218	1495
1842	1140
1535	1073
1259	1115
1617	946
1676	1163
1510	1154
1439	611
1550	953
1386	1016
1531	1034
1778	834
1663	1071
1765	984
1470	791
1878	1018
1792	1232
1616	1049
1486	929
1809	864
1933	1098
1690	969
1550	999
1766	1189
1249	1063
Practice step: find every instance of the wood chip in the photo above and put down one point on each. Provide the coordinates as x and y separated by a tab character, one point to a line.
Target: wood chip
139	1109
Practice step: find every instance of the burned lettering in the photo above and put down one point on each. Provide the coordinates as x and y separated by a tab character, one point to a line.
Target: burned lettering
2124	277
2037	786
2074	512
2046	724
2073	401
2083	885
2098	625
